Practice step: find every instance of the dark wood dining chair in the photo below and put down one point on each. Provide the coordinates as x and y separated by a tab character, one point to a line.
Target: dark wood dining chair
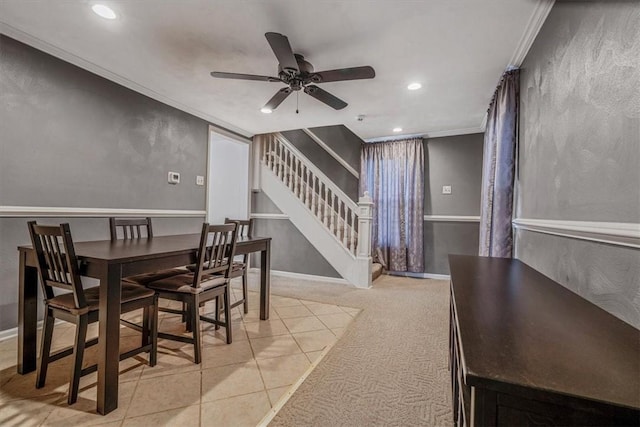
208	281
136	228
241	267
58	269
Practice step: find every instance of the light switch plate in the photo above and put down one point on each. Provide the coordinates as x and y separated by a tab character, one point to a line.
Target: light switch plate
446	189
199	180
173	178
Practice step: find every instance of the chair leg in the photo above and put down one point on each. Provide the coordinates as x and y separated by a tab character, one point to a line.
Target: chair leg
78	353
227	314
153	323
245	295
217	313
195	326
145	326
45	348
188	313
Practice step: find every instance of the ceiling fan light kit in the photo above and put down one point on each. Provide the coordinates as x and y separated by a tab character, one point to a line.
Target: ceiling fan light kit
298	74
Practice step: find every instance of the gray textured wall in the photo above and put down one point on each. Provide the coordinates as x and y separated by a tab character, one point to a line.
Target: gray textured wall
456	161
291	250
69	138
580	147
343	141
325	162
444	238
62	125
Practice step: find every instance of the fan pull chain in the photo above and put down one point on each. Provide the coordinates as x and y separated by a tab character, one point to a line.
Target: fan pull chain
297	98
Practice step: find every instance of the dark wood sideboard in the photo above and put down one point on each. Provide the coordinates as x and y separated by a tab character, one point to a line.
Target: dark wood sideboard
526	351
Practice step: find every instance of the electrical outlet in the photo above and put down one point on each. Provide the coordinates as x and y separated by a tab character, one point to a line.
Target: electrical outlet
446	189
173	178
199	180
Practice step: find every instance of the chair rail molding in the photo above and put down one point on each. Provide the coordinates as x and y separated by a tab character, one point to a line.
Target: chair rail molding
68	212
613	233
269	216
332	153
452	218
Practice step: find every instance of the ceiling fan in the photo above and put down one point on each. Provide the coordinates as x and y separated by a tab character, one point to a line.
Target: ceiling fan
299	74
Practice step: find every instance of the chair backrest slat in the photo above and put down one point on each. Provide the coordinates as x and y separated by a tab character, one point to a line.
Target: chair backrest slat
56	261
216	251
245	226
245	229
132	228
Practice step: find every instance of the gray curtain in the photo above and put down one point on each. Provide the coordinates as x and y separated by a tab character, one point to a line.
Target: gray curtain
393	174
500	138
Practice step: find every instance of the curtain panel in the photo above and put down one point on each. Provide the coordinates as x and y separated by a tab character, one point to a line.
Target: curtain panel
498	169
393	174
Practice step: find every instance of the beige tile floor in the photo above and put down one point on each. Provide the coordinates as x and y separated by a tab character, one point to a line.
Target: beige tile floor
235	385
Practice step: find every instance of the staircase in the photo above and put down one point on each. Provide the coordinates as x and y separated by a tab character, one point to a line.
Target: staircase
335	225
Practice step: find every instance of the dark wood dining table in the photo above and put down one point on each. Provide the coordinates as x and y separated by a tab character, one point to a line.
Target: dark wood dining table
110	261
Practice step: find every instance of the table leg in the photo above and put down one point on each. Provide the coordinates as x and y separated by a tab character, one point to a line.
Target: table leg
109	338
265	281
27	316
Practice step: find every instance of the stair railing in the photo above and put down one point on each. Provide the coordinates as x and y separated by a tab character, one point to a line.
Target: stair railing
340	215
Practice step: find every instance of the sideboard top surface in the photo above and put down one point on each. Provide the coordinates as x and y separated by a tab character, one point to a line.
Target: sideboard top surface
519	327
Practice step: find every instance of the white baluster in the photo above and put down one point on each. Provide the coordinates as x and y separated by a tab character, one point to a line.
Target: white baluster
280	161
345	239
353	233
297	177
307	196
326	205
333	214
293	173
303	183
338	217
271	152
314	208
290	170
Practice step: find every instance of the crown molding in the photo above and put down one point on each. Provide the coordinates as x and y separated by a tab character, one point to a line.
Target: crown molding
531	31
71	58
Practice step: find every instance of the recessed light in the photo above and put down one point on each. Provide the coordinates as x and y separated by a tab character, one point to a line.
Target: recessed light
103	11
266	110
414	86
397	130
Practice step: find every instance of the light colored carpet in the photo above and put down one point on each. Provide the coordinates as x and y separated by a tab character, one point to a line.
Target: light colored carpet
390	366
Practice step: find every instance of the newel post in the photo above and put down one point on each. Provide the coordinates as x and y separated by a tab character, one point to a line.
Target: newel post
365	217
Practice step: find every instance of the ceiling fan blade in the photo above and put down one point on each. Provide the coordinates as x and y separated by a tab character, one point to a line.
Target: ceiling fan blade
222	75
277	99
324	96
282	49
355	73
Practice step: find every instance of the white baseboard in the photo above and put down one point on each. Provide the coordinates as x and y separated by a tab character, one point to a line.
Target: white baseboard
304	276
13	332
420	275
451	218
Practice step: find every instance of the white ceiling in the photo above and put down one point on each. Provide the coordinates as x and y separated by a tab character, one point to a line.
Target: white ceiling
457	49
